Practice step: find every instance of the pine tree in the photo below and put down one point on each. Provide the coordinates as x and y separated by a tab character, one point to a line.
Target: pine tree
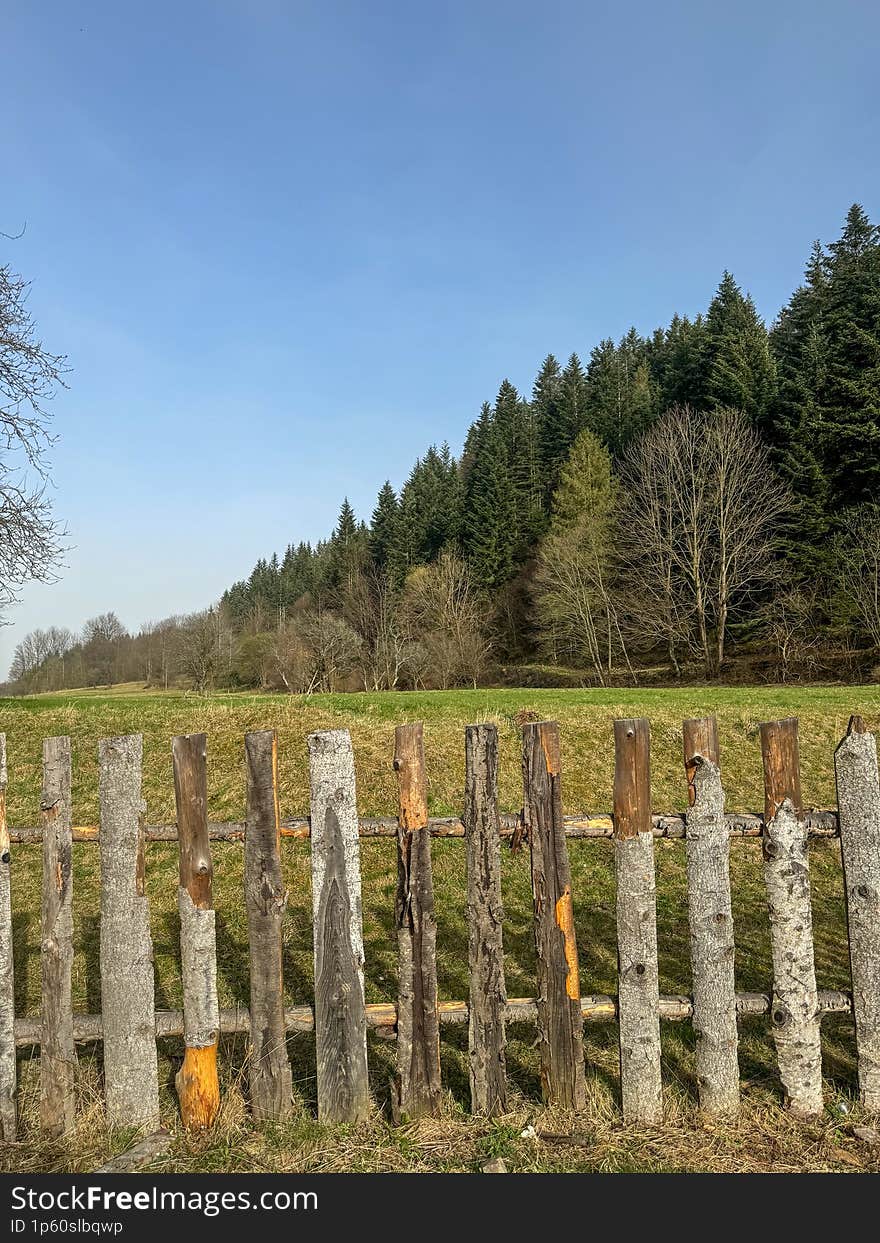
738	368
384	525
489	531
585	489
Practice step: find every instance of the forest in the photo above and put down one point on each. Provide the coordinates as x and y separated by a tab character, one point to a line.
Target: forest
700	504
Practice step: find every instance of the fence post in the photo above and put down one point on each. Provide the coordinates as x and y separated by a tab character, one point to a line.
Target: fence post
638	987
131	1073
418	1027
57	1049
794	1010
711	923
487	1037
8	1076
340	1018
197	1086
265	899
858	802
560	1022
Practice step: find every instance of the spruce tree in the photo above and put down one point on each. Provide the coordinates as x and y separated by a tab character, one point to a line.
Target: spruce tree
738	368
383	525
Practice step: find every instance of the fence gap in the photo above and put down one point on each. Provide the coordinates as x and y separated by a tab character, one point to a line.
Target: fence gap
794	1011
271	1084
57	1049
560	1021
8	1074
638	987
131	1074
711	923
340	1019
198	1089
858	801
487	1038
418	1027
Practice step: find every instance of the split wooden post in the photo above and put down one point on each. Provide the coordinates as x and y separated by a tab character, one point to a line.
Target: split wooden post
487	1037
638	975
131	1072
8	1074
271	1083
418	1026
340	1017
198	1089
794	1012
560	1021
711	923
858	802
57	1049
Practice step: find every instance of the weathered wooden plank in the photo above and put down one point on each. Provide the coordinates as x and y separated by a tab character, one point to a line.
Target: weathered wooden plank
57	1048
487	1038
711	923
131	1074
418	1028
858	800
271	1083
8	1074
637	987
198	1088
795	1009
340	1019
560	1023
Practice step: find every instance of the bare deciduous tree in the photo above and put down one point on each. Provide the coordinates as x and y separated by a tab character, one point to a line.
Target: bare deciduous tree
446	615
858	560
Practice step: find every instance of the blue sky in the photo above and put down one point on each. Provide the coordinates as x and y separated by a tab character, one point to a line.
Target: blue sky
286	246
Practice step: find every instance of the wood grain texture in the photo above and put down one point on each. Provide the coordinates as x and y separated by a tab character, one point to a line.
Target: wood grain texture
487	1038
636	911
418	1027
265	895
8	1073
340	1019
560	1023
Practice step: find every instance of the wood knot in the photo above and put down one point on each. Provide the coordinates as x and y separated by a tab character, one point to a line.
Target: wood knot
640	968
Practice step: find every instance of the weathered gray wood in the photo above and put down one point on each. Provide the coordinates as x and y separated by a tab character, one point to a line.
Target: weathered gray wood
57	1048
8	1076
560	1022
131	1074
858	799
142	1153
636	906
266	900
340	1019
795	1009
711	924
487	1038
418	1027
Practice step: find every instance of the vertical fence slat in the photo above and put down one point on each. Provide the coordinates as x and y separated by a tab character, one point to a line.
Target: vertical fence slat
858	802
197	1086
711	923
487	1037
8	1077
131	1073
57	1049
560	1021
794	1012
418	1027
340	1018
638	983
271	1083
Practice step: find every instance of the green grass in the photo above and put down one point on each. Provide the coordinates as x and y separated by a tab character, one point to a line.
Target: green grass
765	1139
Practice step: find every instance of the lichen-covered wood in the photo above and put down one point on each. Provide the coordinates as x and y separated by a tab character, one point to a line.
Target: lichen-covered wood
8	1076
794	1012
418	1028
57	1048
340	1019
560	1023
711	924
266	900
636	908
131	1075
487	1037
858	800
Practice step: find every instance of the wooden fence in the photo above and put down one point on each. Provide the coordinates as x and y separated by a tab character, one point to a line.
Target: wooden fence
129	1024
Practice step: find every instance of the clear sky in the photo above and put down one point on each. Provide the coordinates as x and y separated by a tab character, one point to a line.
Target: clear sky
286	246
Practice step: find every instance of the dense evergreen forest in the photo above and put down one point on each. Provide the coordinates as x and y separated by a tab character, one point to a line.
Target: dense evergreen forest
703	502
